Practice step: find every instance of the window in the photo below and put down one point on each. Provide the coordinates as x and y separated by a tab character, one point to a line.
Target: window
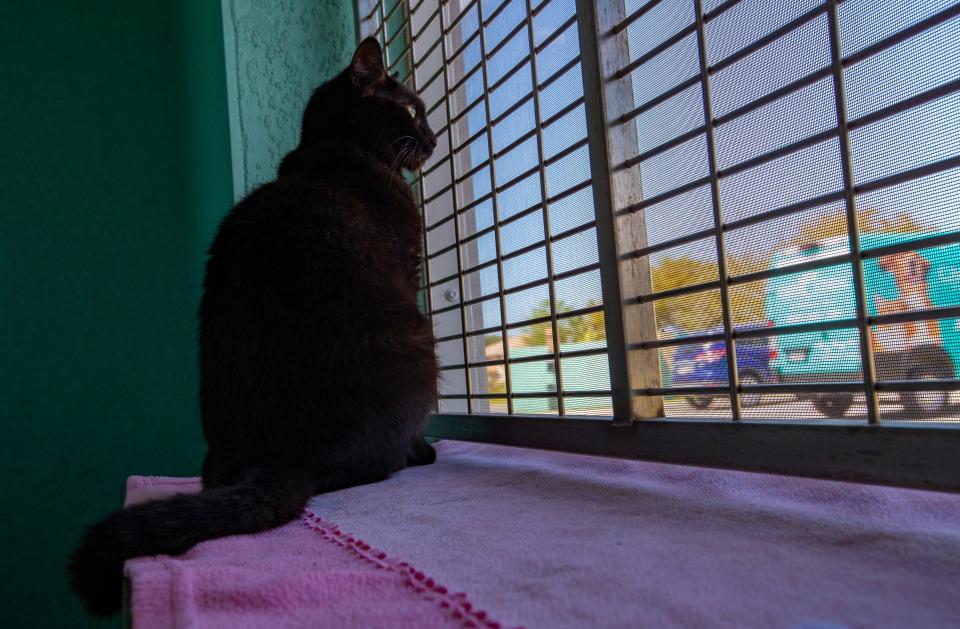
704	231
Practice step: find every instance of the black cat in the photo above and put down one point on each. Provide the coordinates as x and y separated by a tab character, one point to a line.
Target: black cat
317	370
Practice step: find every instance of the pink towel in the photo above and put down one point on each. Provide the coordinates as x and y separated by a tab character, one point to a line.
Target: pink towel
308	573
562	541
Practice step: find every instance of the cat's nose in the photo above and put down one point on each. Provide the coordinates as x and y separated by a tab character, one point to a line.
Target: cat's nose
432	141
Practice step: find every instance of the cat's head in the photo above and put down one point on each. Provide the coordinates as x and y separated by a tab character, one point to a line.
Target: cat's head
366	107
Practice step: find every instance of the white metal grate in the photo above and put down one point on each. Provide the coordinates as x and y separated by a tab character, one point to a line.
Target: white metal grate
512	263
718	209
772	128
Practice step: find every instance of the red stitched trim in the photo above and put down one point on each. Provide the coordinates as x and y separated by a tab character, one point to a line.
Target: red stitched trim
456	604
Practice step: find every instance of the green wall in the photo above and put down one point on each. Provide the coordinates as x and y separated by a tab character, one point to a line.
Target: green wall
116	124
114	170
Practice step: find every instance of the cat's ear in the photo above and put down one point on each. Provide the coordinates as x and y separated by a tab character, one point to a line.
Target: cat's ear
366	69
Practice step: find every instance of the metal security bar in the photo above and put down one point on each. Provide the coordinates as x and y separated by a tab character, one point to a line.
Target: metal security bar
627	193
796	22
507	201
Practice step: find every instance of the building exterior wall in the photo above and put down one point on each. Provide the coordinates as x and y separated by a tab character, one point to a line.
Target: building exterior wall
277	52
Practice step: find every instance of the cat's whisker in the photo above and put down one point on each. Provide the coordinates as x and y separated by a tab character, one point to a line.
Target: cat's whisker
389	146
398	158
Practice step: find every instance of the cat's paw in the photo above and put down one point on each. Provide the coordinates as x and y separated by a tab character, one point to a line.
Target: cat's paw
421	453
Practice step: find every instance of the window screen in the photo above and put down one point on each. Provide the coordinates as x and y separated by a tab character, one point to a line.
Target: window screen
768	138
769	190
512	271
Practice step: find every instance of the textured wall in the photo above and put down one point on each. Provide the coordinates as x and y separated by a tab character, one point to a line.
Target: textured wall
277	53
115	153
114	168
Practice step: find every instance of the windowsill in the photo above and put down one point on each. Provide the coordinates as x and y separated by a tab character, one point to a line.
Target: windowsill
548	539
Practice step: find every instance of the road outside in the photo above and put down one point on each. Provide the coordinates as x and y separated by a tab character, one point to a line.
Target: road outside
788	407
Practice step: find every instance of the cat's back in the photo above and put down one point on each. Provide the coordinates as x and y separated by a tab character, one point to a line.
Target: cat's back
298	224
339	243
290	213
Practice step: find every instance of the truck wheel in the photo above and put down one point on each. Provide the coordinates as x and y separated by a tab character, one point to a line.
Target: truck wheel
833	405
699	401
925	403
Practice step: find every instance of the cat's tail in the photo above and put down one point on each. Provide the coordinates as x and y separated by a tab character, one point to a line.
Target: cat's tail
264	497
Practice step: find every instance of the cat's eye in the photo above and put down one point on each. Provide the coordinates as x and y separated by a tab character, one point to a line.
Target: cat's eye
412	111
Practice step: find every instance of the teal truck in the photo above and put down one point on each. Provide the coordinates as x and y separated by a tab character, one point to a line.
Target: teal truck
899	282
580	373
